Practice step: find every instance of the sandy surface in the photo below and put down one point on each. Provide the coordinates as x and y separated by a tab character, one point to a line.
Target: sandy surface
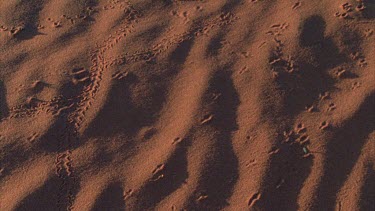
187	105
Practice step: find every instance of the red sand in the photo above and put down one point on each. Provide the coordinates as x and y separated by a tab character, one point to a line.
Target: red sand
187	105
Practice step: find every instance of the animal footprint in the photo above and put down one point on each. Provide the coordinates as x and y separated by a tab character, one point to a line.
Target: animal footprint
296	5
157	175
37	86
33	137
324	125
120	75
356	85
32	101
280	183
324	96
274	151
368	32
301	128
362	62
177	140
16	30
331	107
206	119
56	24
310	108
80	75
128	194
253	199
342	73
202	198
303	139
251	163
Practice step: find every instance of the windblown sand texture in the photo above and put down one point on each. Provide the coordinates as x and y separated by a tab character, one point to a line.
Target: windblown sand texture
187	105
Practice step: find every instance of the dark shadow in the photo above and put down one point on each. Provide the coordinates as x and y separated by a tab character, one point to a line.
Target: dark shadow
28	32
54	194
367	198
67	36
369	12
343	150
81	26
284	179
230	6
351	40
303	86
43	198
59	137
299	89
180	54
12	155
111	199
221	172
70	90
150	34
4	110
119	113
174	175
312	31
62	134
26	13
215	44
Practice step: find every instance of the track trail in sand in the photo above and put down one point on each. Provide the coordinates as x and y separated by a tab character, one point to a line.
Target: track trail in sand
187	105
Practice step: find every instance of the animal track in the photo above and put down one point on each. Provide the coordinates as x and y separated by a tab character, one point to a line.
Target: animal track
300	129
157	173
324	125
353	11
177	140
298	138
16	30
82	102
253	199
331	107
38	86
280	183
33	137
274	151
357	57
278	62
277	29
251	163
120	75
70	112
324	96
296	5
202	198
356	85
310	108
80	75
368	32
206	119
128	194
64	172
196	31
342	73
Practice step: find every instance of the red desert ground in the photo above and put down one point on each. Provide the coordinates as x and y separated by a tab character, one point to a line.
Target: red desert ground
195	105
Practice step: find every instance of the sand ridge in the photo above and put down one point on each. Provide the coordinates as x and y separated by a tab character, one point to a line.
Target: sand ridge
187	105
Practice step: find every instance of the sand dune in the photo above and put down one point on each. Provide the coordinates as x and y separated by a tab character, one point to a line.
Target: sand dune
187	105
